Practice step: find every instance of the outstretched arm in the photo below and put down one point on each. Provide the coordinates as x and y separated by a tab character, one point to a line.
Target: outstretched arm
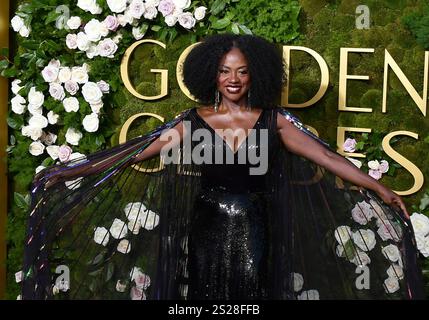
303	145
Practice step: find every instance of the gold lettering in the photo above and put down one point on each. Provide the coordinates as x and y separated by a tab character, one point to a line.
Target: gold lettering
179	72
323	83
123	138
420	102
408	165
126	79
343	77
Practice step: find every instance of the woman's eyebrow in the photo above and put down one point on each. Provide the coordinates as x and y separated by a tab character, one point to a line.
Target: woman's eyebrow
226	67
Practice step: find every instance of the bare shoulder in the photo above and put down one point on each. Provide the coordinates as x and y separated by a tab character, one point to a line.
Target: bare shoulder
282	122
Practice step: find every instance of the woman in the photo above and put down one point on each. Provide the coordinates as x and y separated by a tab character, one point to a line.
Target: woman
259	213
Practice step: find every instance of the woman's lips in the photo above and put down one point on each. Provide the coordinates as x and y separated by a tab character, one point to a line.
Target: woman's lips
233	89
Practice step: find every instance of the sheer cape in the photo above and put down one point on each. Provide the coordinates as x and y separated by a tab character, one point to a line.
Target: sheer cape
108	231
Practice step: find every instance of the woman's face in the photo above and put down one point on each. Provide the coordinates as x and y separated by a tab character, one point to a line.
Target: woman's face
233	80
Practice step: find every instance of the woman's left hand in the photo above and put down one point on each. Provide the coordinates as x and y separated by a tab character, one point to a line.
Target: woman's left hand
391	198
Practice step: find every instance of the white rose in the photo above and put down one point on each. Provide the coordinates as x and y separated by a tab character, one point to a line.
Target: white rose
79	75
420	223
32	132
77	155
182	4
36	148
377	210
18	276
134	226
360	259
82	41
153	3
24	31
342	234
50	73
298	281
38	121
116	39
373	164
49	138
117	6
17	23
52	117
56	91
86	5
71	104
119	229
200	13
92	51
388	231
120	287
391	252
391	285
18	104
71	41
89	5
65	74
137	33
124	19
101	236
364	239
134	210
362	212
39	168
90	122
104	86
73	136
74	22
423	245
384	166
137	8
150	12
35	98
71	87
171	20
137	294
395	271
91	93
15	86
124	246
356	162
149	220
54	63
73	184
107	48
186	20
95	30
34	110
95	107
53	151
309	295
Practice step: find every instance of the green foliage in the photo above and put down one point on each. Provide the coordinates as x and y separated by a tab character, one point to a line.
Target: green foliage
418	23
276	20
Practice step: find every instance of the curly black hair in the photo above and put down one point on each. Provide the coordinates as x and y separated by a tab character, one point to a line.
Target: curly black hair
266	68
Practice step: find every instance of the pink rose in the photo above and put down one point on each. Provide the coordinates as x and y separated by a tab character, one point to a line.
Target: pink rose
64	153
376	174
166	7
349	145
111	23
71	87
142	281
387	231
137	294
384	166
104	86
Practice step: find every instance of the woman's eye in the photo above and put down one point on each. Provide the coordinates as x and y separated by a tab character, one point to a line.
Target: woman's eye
243	72
223	71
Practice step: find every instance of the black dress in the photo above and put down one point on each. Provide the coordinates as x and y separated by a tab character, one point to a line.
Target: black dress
212	230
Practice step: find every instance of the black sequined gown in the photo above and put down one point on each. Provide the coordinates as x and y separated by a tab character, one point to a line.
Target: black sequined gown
229	243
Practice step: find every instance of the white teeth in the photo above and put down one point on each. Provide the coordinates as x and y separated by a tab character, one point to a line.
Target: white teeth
233	89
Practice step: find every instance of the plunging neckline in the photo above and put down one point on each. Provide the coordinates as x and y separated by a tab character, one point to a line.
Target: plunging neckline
226	143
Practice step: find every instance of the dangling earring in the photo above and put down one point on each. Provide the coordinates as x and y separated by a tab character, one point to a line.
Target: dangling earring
249	106
217	100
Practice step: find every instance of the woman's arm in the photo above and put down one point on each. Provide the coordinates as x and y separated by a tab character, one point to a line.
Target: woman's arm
176	133
303	145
